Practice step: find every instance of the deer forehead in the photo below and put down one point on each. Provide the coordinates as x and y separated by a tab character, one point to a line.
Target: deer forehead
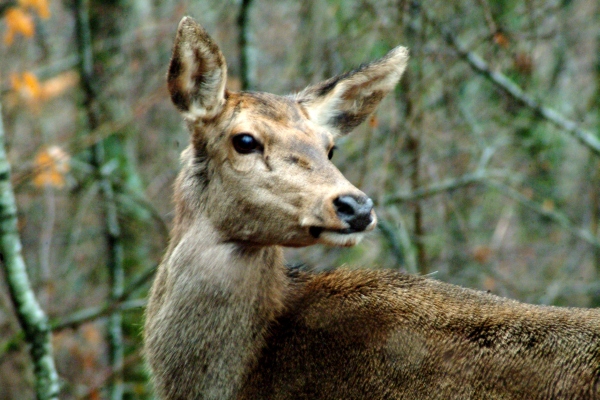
279	122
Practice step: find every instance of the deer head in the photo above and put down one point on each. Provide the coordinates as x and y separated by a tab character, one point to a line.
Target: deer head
258	166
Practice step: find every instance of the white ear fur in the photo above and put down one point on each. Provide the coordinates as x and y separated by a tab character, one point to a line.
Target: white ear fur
197	73
343	102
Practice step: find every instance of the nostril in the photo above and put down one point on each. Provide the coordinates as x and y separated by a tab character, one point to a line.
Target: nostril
355	211
345	205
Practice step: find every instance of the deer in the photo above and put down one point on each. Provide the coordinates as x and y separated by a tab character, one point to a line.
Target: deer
226	319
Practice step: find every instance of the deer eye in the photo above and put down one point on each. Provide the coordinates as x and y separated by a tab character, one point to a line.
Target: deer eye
244	143
331	151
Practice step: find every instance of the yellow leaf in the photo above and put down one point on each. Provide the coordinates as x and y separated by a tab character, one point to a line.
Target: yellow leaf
548	205
15	81
40	6
31	89
17	21
32	85
27	85
51	166
57	85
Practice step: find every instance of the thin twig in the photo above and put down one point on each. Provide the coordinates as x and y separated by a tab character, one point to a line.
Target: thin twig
46	242
32	318
557	217
448	185
242	23
489	17
113	232
93	313
490	179
107	375
584	136
123	303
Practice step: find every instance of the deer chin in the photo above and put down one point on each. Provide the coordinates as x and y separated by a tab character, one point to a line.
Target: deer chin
333	238
339	238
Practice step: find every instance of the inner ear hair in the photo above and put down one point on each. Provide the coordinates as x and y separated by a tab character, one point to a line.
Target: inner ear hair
343	102
197	73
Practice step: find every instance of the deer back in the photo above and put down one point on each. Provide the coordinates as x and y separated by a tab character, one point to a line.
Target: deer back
227	320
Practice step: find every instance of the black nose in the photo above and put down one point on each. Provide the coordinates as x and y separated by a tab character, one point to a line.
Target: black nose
355	211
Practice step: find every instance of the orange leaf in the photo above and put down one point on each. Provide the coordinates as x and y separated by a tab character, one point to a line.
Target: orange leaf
57	85
501	39
32	85
51	165
92	335
27	85
482	254
40	6
373	121
15	82
17	21
95	394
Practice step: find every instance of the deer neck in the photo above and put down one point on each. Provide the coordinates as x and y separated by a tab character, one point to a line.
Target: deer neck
221	298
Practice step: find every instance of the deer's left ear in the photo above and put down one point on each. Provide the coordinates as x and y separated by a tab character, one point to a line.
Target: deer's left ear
197	73
343	102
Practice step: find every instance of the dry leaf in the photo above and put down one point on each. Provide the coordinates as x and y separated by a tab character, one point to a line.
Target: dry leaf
482	254
523	63
51	166
17	21
59	84
27	85
373	121
548	205
31	89
501	39
40	6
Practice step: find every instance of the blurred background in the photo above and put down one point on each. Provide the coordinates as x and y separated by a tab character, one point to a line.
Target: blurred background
484	164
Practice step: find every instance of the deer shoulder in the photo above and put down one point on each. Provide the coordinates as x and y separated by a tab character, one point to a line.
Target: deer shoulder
227	320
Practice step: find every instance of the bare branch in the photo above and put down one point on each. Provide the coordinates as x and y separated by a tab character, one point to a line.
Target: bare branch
490	179
112	228
557	217
93	313
123	303
448	185
584	136
242	23
32	318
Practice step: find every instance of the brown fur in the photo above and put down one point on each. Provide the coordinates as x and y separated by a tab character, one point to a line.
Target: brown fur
226	320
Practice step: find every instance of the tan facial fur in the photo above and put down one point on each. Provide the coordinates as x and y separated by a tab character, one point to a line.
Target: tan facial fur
290	186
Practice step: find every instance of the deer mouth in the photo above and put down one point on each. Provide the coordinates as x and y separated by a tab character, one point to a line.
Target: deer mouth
316	231
369	223
336	237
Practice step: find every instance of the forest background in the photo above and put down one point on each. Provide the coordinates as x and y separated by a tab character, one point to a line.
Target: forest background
484	164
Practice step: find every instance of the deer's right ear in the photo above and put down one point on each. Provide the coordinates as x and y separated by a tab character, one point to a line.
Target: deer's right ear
343	102
197	73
